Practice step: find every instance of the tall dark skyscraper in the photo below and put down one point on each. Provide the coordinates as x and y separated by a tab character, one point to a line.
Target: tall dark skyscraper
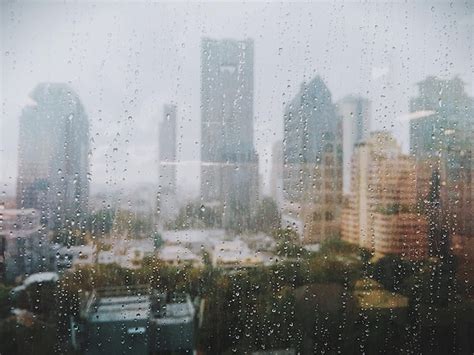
312	154
53	155
442	141
229	173
167	161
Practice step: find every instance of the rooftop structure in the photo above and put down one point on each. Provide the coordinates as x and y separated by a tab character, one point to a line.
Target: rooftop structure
136	320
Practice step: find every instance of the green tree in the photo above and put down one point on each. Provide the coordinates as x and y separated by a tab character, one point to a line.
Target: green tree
267	217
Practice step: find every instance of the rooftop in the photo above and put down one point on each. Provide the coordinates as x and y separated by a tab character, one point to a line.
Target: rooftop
121	304
192	235
125	308
176	252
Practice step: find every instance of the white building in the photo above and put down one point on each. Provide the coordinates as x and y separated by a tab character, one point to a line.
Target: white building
176	255
234	254
75	256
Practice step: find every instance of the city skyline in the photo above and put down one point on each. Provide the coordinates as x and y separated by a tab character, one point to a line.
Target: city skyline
249	178
114	99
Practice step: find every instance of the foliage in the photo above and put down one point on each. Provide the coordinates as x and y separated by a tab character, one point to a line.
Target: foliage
391	270
267	217
100	223
71	238
4	300
37	338
288	244
335	246
195	215
157	240
307	303
130	223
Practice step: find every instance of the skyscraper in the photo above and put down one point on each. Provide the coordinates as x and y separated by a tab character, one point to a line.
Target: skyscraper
53	155
312	151
355	112
442	143
229	173
276	178
380	214
167	161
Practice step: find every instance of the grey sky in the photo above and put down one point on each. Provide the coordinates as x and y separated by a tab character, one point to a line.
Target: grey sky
127	59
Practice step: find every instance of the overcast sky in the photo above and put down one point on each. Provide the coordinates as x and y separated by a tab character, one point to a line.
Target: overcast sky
125	60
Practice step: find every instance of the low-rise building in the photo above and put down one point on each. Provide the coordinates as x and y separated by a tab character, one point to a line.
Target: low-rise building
135	320
68	257
196	240
234	254
127	253
24	245
176	255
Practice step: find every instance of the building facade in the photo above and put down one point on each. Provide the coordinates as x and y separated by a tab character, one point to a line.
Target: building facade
276	178
24	245
355	112
53	155
167	163
229	163
380	213
134	320
442	143
312	164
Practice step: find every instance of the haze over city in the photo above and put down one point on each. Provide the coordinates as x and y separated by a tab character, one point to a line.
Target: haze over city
236	178
125	60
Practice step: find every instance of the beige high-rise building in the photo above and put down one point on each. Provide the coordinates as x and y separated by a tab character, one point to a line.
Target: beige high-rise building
321	210
380	213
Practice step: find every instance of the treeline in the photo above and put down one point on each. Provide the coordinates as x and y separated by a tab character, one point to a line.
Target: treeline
197	215
309	303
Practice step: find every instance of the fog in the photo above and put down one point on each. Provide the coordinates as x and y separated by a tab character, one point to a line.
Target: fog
125	60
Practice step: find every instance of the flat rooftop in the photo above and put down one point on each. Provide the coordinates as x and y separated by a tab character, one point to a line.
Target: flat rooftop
137	304
113	309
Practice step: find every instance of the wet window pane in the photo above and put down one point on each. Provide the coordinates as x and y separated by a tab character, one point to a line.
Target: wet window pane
236	178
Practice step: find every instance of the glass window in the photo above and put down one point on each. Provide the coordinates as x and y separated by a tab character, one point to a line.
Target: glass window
236	178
